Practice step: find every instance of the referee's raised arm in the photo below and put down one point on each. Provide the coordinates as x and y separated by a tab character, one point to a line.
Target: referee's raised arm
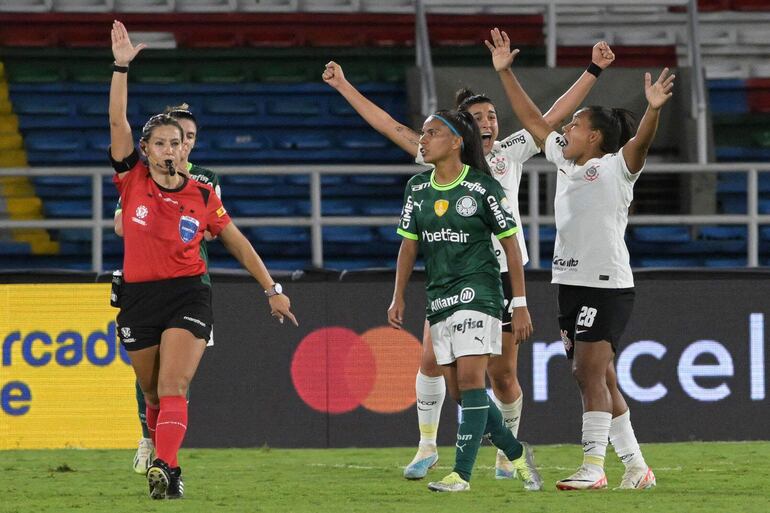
121	140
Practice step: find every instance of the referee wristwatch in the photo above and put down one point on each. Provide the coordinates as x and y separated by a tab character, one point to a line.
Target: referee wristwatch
274	290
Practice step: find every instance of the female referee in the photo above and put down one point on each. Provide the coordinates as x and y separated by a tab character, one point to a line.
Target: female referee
145	452
505	159
599	160
450	213
165	315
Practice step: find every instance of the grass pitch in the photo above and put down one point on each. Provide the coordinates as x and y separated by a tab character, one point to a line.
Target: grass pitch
708	477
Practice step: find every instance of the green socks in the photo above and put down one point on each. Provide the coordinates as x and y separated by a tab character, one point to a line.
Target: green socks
500	435
475	406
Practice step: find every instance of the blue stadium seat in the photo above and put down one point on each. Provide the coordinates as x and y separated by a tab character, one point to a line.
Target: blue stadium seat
724	262
390	207
329	207
14	248
302	141
232	105
261	208
723	232
238	140
288	106
667	262
349	234
728	96
388	234
279	234
661	233
67	208
54	141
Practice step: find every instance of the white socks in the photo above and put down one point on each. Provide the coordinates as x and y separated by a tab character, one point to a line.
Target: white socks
596	430
430	397
511	413
623	439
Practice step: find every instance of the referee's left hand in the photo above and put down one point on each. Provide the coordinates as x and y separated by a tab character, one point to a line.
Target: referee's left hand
280	308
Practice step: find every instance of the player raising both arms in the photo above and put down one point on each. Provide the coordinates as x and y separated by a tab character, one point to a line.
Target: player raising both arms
599	159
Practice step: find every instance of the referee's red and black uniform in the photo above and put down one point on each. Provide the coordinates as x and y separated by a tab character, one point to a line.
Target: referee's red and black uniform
162	265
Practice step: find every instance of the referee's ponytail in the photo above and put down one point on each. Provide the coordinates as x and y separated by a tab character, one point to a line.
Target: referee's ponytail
616	125
463	124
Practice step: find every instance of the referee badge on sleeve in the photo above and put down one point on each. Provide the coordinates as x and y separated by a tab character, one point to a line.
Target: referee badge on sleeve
188	227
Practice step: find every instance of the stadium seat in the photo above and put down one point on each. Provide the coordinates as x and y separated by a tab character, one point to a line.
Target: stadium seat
750	5
206	5
26	6
67	208
723	232
261	208
349	234
13	248
144	5
728	96
278	234
383	207
238	140
302	141
267	5
661	233
85	6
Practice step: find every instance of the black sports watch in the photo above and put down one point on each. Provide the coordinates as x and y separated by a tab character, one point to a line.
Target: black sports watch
274	290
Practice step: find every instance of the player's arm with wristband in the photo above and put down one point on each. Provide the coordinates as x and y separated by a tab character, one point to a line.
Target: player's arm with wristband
520	319
601	58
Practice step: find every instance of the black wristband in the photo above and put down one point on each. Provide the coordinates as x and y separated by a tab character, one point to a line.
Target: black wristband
592	68
119	69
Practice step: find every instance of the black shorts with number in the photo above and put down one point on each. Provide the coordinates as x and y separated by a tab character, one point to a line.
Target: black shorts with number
508	294
149	308
589	314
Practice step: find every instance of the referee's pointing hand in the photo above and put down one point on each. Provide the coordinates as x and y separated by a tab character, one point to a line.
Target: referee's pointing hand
280	308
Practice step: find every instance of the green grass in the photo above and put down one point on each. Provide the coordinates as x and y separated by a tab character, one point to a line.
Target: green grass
722	477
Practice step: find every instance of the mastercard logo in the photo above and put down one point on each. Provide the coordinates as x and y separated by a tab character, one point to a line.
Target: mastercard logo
336	370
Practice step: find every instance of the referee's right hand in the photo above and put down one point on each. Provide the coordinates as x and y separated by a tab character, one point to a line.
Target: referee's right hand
280	308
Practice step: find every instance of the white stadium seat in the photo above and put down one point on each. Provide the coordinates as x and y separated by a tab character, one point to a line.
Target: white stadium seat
26	5
575	36
330	5
645	37
154	40
144	5
206	5
84	5
268	5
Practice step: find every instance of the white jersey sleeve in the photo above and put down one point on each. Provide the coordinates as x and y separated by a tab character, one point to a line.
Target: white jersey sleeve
553	149
519	146
631	177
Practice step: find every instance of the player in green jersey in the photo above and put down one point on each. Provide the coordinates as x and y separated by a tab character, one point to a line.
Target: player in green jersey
450	214
145	452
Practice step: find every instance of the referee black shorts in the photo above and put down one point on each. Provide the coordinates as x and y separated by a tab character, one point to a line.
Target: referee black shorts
151	307
588	314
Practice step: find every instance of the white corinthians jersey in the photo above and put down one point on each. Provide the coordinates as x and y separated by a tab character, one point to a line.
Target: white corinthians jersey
591	207
505	161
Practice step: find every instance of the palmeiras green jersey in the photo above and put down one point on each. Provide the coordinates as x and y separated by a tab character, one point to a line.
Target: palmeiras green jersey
454	224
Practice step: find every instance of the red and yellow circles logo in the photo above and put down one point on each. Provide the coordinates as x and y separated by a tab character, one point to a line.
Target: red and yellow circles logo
335	369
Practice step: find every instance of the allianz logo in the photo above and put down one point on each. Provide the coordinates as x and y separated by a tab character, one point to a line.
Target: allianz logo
445	235
466	295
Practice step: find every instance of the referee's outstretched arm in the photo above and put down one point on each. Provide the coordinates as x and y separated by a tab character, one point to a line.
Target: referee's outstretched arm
121	139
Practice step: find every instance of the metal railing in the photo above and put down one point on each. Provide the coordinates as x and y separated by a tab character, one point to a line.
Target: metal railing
752	219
